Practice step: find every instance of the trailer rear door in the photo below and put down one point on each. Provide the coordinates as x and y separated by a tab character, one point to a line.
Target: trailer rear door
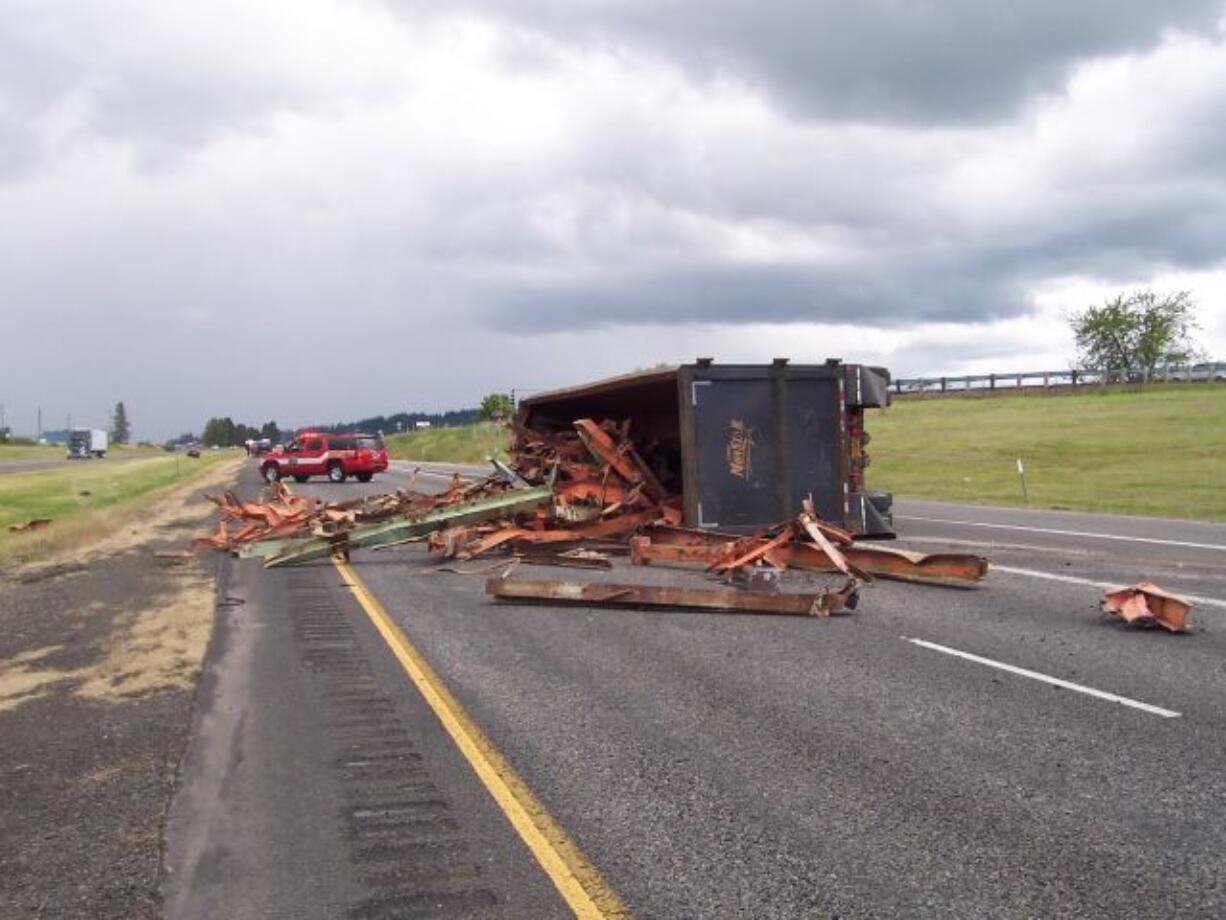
762	439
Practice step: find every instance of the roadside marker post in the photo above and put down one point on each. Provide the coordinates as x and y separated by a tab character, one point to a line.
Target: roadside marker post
1021	475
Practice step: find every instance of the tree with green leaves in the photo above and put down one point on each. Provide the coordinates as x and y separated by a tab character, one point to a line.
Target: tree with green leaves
121	428
218	432
1131	335
271	431
496	406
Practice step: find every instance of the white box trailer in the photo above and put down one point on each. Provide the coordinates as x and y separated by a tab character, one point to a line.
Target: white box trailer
84	443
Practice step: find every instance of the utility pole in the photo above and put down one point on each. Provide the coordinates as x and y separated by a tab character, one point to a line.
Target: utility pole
40	423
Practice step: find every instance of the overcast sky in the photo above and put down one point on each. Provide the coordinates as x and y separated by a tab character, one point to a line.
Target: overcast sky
311	210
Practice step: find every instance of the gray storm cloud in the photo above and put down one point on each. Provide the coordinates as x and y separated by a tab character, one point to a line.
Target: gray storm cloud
924	62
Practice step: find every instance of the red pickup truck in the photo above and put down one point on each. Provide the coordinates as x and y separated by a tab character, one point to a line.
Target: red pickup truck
337	456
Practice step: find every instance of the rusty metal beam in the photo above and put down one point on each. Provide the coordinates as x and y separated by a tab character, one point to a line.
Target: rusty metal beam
679	546
622	457
822	603
750	550
889	563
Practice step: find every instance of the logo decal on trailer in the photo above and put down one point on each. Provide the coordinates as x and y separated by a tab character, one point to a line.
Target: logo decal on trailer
740	448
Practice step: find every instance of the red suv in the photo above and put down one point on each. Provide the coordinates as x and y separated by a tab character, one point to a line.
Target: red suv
336	456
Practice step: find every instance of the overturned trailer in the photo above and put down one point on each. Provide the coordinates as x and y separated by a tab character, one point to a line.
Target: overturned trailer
742	445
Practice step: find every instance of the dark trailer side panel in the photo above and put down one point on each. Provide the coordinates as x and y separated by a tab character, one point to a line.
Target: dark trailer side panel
744	444
763	439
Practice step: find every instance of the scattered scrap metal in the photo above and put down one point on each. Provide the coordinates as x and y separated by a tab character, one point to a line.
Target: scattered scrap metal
1145	604
288	528
574	498
822	603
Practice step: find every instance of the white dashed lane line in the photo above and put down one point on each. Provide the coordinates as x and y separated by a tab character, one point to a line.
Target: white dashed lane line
1065	533
1045	678
1104	585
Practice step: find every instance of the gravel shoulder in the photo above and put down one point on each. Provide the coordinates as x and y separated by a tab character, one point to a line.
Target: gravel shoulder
99	655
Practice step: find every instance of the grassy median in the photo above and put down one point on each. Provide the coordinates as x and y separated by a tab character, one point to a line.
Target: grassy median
87	498
1161	451
465	444
13	452
18	452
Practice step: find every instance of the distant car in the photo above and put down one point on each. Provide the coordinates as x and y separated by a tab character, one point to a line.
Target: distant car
257	446
193	451
337	456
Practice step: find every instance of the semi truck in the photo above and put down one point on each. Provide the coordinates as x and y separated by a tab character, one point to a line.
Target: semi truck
84	443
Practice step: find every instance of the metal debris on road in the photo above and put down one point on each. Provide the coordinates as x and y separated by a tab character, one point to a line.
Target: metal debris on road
403	527
567	493
690	546
821	604
1145	604
761	578
284	516
620	464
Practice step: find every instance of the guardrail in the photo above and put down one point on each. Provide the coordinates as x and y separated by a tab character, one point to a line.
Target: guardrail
1206	372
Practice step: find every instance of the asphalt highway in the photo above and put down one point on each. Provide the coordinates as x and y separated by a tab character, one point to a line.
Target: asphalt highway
1003	751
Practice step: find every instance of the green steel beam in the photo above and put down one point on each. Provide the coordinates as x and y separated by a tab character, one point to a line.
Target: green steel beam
271	547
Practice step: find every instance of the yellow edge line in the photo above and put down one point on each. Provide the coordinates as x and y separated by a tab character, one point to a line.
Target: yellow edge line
578	881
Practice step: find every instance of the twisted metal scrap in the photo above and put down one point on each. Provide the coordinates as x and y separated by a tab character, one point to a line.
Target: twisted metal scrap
1145	604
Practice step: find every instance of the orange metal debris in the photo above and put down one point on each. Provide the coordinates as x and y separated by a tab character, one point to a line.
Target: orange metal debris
748	551
1145	604
620	526
286	514
592	594
687	546
809	521
620	455
600	489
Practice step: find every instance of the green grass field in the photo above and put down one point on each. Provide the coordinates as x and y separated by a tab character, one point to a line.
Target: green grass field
56	452
1158	452
467	444
30	452
73	494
